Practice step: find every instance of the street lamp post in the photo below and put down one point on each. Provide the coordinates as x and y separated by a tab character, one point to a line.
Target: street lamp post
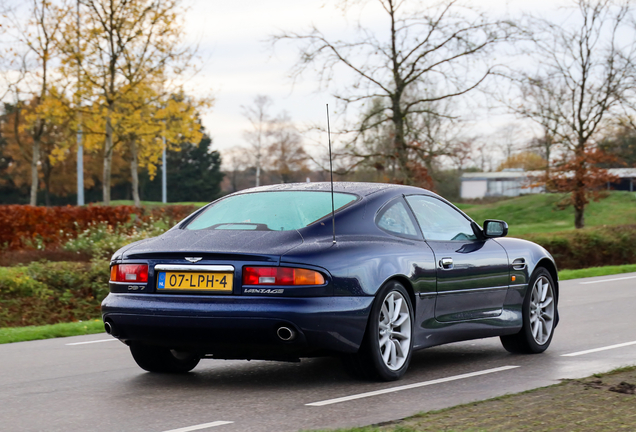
80	148
164	174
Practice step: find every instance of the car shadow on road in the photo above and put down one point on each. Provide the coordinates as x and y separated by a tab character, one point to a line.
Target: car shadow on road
431	363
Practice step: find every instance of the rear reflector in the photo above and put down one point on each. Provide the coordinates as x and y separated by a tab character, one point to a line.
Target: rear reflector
136	273
281	276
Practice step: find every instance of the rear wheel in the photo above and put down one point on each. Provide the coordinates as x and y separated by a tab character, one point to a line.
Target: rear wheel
539	316
163	360
385	353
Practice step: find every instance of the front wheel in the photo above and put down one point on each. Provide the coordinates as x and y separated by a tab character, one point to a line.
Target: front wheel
163	360
539	317
385	353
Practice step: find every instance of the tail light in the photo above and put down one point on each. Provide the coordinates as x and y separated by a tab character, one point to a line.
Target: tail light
134	273
281	276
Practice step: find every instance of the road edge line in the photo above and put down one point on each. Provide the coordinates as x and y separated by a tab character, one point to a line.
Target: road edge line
410	386
593	350
200	426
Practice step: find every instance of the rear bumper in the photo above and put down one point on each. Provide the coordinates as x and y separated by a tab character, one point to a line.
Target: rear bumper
239	326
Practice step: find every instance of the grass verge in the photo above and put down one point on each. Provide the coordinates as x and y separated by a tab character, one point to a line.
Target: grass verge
596	271
545	213
21	334
602	402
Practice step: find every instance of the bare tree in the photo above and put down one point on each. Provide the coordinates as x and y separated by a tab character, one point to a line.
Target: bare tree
540	100
581	79
482	154
627	120
460	153
506	139
429	134
438	46
435	132
235	163
286	155
373	145
260	121
544	146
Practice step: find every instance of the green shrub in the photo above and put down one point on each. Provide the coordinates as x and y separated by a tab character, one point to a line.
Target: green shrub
52	292
101	240
18	282
590	247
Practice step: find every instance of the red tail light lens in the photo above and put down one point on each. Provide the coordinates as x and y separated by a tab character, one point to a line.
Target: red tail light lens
281	276
133	273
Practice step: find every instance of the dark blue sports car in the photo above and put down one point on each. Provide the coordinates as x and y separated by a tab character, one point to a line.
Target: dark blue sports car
263	274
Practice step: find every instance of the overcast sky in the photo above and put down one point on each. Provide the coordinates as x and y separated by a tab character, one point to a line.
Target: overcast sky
240	64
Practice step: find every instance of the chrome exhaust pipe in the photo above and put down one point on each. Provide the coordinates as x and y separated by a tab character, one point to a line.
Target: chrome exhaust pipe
285	334
110	328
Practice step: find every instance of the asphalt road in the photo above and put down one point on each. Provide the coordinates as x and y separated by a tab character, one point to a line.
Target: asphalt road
71	385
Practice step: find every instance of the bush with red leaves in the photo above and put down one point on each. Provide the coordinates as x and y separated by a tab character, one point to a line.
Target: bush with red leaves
22	226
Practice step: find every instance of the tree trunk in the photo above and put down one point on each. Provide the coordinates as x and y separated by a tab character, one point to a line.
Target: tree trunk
399	143
428	163
46	169
579	217
578	191
233	181
108	158
134	174
35	158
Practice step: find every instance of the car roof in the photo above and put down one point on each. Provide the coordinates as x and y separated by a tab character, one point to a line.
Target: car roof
359	188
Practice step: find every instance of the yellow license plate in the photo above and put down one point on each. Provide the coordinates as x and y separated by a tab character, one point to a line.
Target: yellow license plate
193	281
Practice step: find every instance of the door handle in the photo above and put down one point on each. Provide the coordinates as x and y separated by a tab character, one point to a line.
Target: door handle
446	263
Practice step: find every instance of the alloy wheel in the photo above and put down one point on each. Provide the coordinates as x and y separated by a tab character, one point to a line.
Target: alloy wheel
394	335
542	310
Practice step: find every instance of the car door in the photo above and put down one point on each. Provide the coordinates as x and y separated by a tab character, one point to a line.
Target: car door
472	273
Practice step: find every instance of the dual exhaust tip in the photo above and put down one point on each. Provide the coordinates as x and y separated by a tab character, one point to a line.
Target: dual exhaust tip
285	334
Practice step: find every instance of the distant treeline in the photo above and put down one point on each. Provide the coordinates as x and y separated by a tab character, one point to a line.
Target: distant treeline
194	174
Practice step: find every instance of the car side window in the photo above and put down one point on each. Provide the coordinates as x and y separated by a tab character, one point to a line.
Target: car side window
395	219
438	220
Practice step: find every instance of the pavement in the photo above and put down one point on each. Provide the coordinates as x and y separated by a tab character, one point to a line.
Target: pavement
91	383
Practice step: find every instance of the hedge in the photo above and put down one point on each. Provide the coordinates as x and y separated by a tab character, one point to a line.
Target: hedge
23	226
52	292
590	247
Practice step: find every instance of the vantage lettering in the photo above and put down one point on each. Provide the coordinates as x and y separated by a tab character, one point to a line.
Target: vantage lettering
263	291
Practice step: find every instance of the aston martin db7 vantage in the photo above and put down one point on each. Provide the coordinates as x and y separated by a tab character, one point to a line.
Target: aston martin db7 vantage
368	272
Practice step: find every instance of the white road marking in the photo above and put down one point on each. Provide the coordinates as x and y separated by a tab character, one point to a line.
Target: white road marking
410	386
200	426
95	341
574	354
607	280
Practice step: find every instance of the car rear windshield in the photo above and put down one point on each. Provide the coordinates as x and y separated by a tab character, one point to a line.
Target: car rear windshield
269	211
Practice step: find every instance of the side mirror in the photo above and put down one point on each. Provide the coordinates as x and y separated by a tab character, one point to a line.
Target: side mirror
495	228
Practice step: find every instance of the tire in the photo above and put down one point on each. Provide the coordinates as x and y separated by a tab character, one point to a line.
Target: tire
540	316
385	353
163	360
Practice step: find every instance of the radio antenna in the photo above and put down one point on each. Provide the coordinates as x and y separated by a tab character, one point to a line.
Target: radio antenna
333	211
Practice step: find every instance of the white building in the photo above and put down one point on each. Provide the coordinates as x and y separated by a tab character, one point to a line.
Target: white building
500	183
518	182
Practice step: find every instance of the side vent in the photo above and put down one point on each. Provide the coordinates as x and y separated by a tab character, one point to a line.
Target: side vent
519	264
